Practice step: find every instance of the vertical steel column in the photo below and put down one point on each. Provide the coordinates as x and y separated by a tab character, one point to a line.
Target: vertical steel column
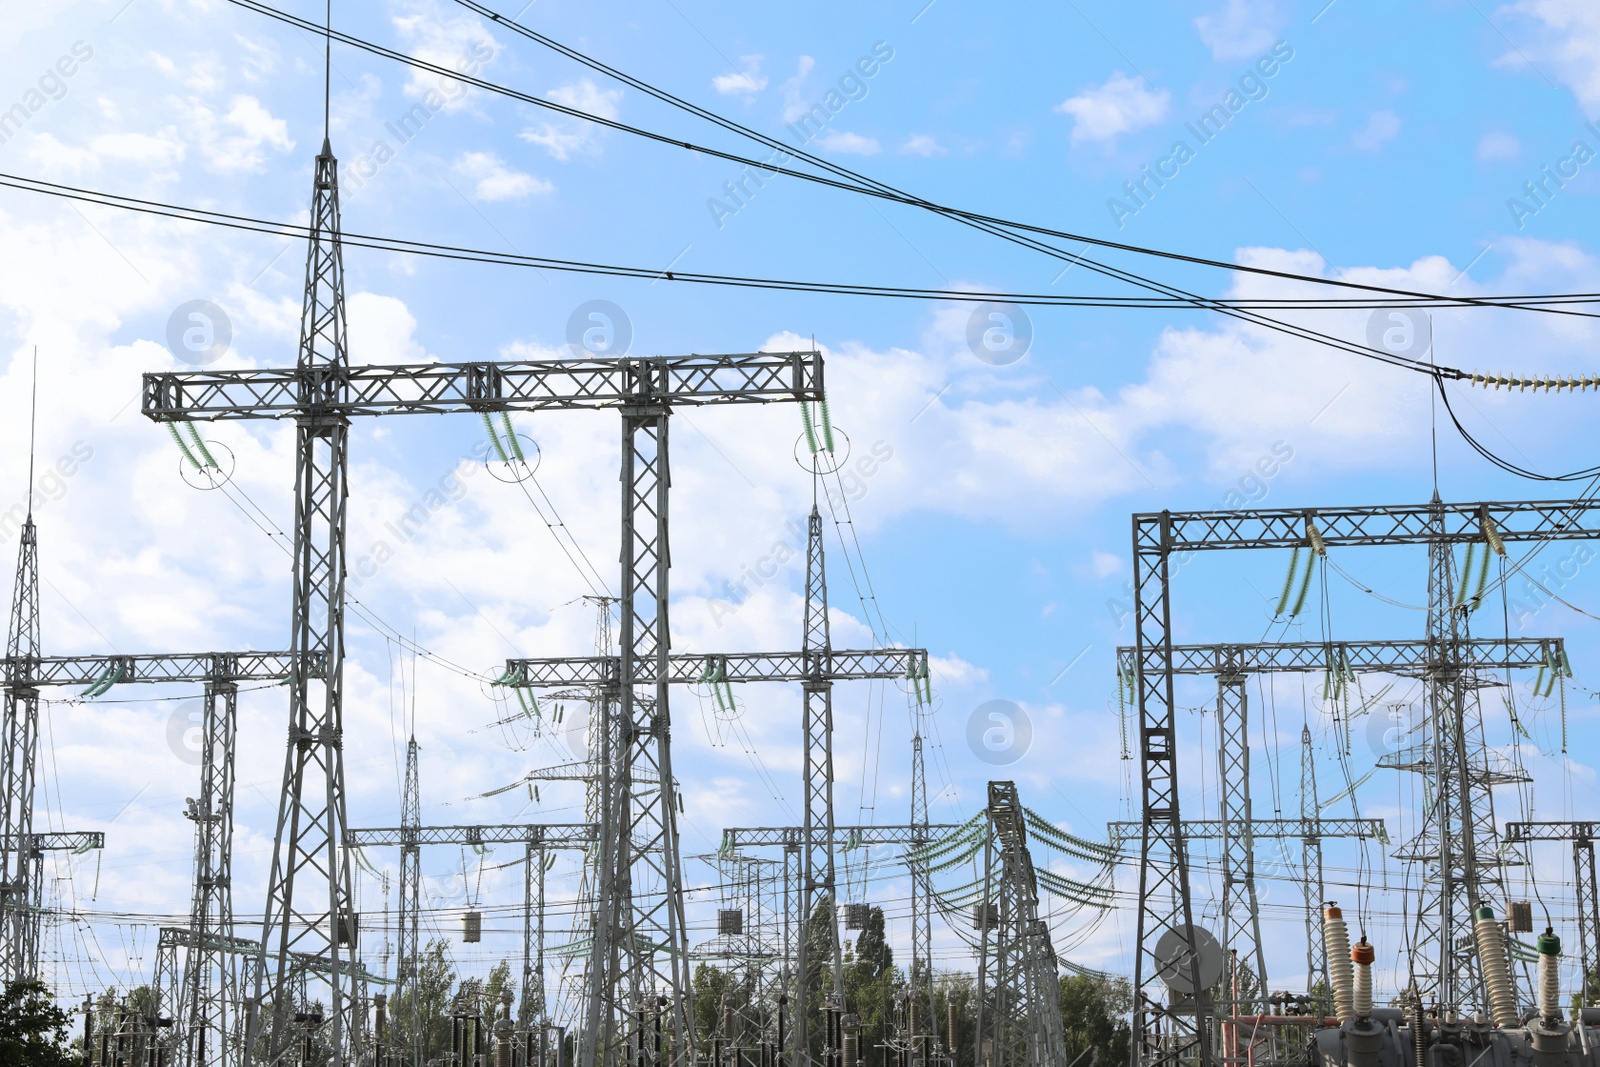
1448	847
640	894
533	1008
19	742
409	904
1311	860
1164	903
1588	911
921	884
818	876
210	971
1241	919
311	821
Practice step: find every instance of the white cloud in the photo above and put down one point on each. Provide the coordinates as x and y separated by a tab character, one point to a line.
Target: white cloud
747	81
1241	30
568	137
794	103
1566	41
496	181
1498	145
54	157
922	144
848	144
1381	128
245	130
459	43
1121	105
381	330
140	149
1104	564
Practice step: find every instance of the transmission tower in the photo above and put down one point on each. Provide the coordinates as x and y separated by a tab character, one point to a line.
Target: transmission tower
197	975
921	886
818	876
1311	862
1019	1006
20	878
409	906
1456	851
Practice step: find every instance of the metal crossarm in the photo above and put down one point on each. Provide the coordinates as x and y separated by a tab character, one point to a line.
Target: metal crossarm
68	841
689	668
444	388
1210	531
158	668
565	835
1520	833
1212	829
736	837
1395	657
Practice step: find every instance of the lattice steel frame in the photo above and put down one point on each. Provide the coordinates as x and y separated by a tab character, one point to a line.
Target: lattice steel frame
1232	663
1311	862
1164	901
1582	835
322	392
1019	1006
20	888
818	874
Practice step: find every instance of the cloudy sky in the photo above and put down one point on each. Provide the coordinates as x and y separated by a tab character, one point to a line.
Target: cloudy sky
983	512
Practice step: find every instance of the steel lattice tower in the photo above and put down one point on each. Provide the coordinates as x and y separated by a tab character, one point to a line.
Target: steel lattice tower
1457	847
1241	914
811	665
211	991
20	874
409	906
1311	861
921	884
817	871
319	921
640	909
1019	1005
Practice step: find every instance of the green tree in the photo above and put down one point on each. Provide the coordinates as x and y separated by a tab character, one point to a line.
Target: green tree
1094	1014
715	987
421	1012
33	1030
871	982
959	990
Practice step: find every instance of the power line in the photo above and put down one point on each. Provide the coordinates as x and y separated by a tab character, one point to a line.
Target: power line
854	181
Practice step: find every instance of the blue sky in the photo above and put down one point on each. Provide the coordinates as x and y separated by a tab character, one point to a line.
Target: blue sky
1390	146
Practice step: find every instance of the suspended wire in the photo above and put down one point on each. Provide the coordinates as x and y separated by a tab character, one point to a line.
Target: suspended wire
654	274
853	182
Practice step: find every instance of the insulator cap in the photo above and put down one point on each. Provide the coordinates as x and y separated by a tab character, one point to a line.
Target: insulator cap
1549	944
1361	952
1483	911
1331	911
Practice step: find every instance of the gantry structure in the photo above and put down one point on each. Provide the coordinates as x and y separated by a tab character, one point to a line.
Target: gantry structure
197	968
817	666
1165	913
1581	834
640	938
1232	664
